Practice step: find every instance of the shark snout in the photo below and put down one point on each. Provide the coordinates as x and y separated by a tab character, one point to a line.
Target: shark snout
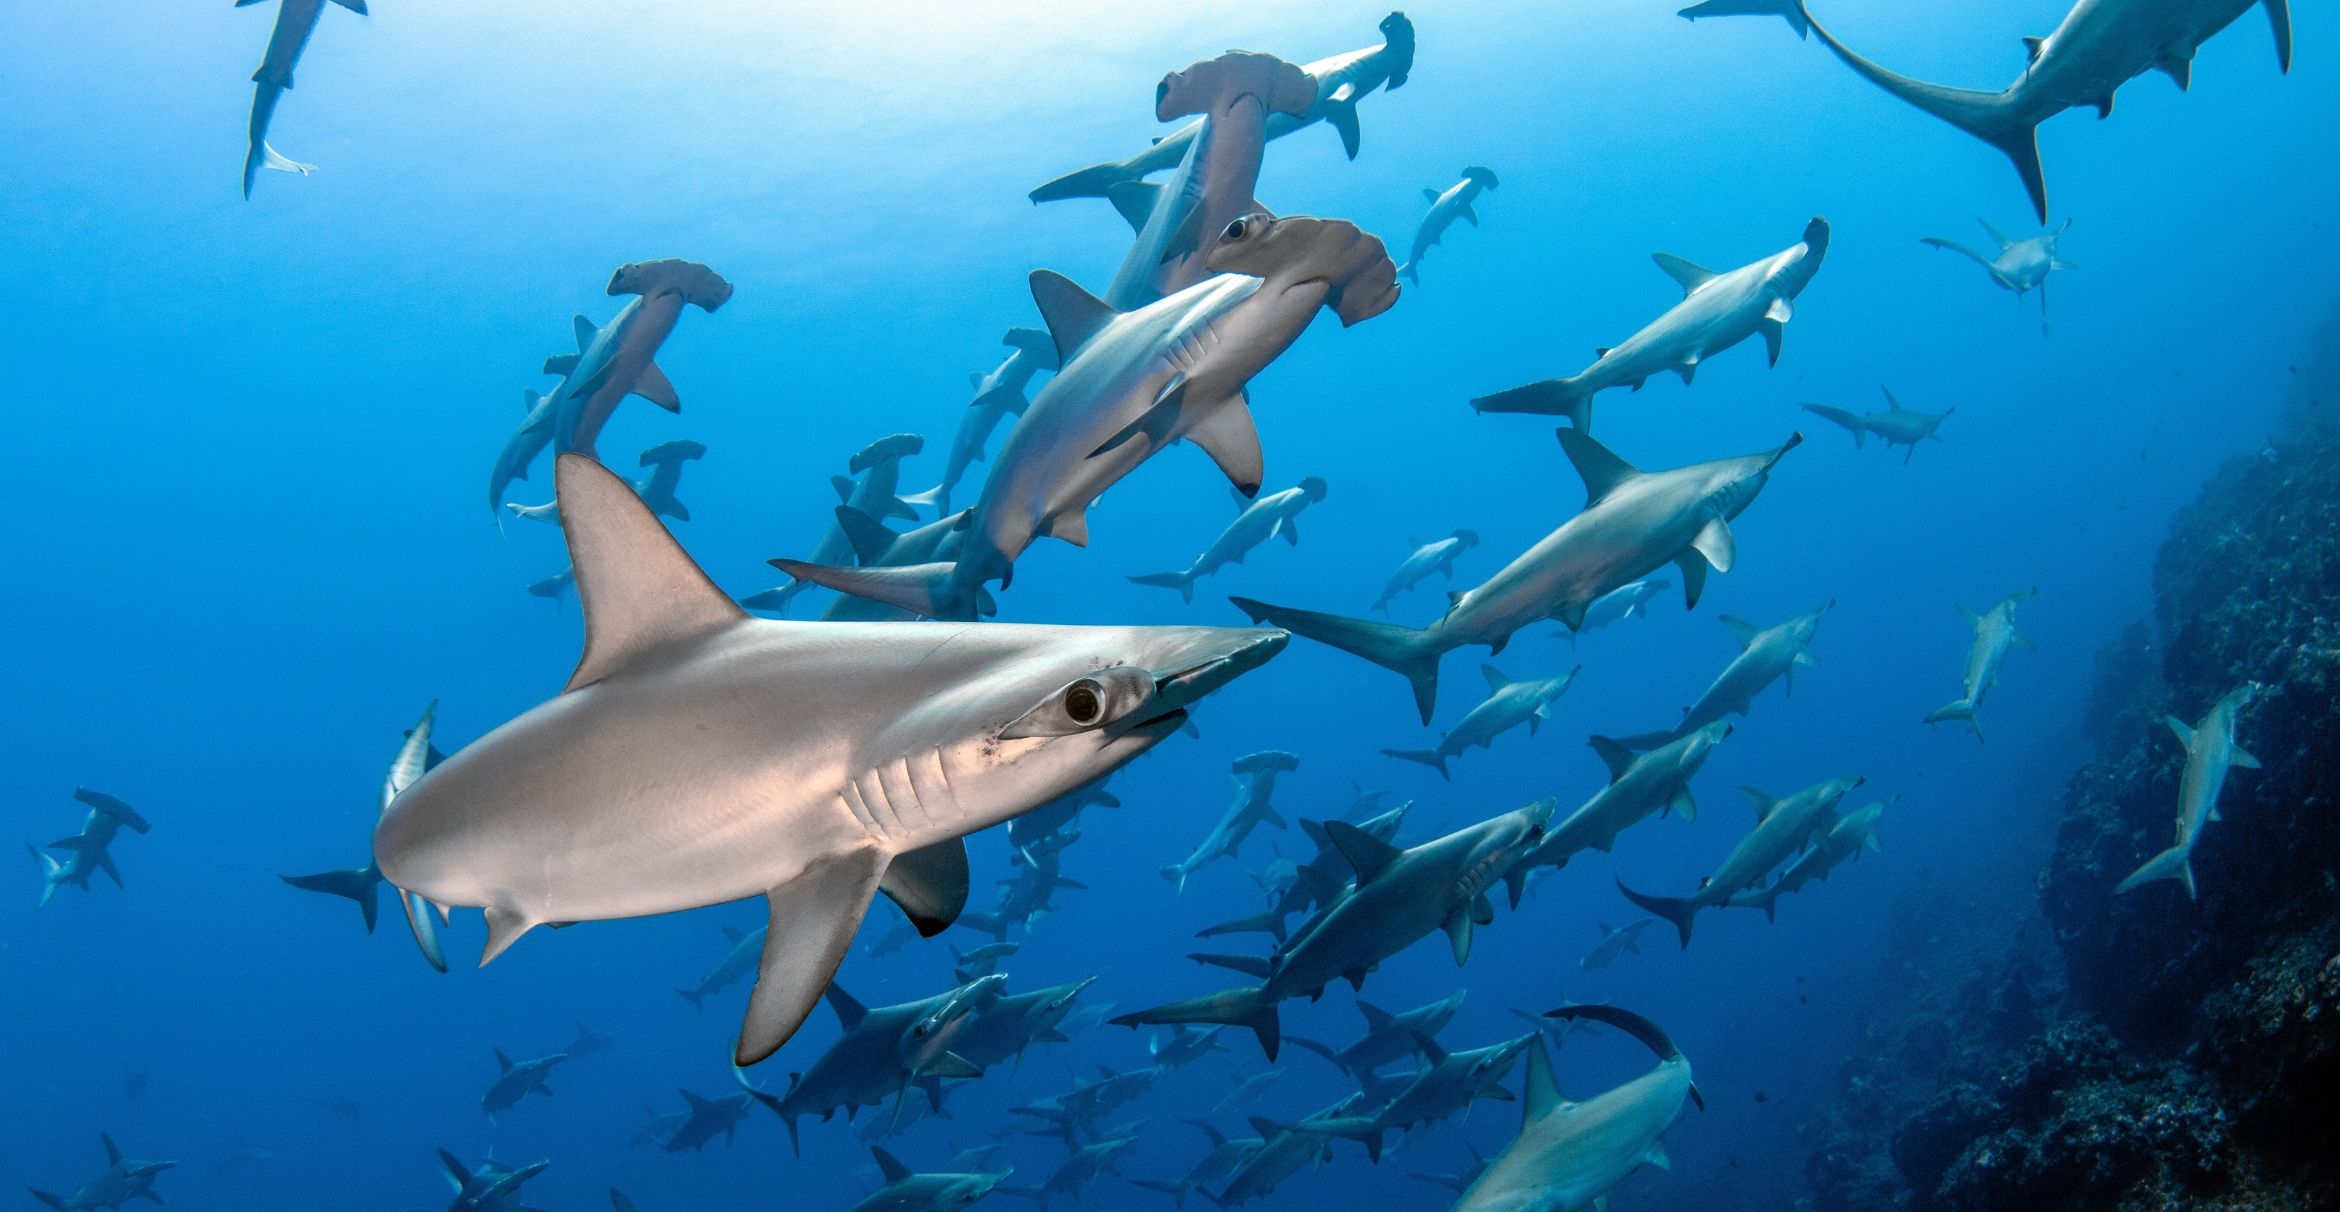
1214	658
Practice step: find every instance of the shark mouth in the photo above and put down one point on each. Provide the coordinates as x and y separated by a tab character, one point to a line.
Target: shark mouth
1174	692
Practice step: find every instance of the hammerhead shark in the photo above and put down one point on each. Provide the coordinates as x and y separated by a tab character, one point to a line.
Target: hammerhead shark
656	487
516	1080
999	394
363	884
1634	522
1569	1154
1851	833
492	1187
1133	383
1783	826
1258	520
91	850
1008	1023
680	767
1426	557
879	1056
871	488
2210	753
2099	46
1400	897
2021	266
1446	206
1508	704
124	1179
1341	82
1640	785
1235	94
1255	788
1766	655
1448	1082
1994	634
1898	426
1717	311
1388	1037
295	21
937	1191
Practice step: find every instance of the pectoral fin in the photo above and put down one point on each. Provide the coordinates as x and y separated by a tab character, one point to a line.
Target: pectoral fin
813	920
1714	541
1227	434
930	884
1458	932
654	387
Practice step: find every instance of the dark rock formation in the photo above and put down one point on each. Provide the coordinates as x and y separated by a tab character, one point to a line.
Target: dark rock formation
2142	1050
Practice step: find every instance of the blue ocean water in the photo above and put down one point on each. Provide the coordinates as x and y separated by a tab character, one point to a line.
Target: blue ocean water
250	542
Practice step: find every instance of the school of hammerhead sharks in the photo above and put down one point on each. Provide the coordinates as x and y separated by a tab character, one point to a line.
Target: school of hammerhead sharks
678	768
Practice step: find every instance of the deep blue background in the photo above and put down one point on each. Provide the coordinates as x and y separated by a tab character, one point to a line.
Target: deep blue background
250	541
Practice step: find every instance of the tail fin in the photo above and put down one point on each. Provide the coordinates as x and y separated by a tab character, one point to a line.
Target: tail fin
2175	863
1956	709
1175	873
1249	1008
1182	581
1547	397
1090	182
932	590
1676	910
1412	275
50	869
47	1198
1791	10
1851	423
697	999
1253	966
1266	921
355	883
1412	654
1985	115
1434	758
937	498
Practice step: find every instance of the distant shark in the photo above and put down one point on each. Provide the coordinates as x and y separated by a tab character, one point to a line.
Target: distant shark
516	1080
1842	841
1258	519
2210	753
1783	827
1255	787
1634	522
999	394
1446	206
1898	426
1427	557
872	490
295	21
2099	46
656	487
2021	266
1508	705
1717	311
123	1179
91	850
905	1191
1994	634
622	797
1766	655
363	884
1341	82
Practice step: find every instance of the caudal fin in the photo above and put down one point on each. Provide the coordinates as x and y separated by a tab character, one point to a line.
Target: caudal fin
1248	1008
1409	652
1267	921
1547	397
1674	909
937	498
1182	581
1851	423
1790	10
697	999
354	883
47	1198
2175	863
1433	758
1956	709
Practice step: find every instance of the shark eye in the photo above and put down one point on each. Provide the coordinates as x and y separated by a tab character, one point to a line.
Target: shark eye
1087	703
1237	229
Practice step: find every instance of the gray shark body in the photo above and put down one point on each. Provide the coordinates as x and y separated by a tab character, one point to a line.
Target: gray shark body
1300	887
1717	311
2099	46
1252	806
1426	558
1446	206
1400	897
1389	1038
90	850
1615	942
1086	1164
1258	519
1075	1112
1008	1025
707	1118
1283	1151
1028	833
1341	82
363	885
871	489
1842	840
1461	1180
2210	753
1897	426
1133	383
1619	604
1211	1169
1640	785
680	769
1633	523
296	20
940	1191
617	361
870	1062
1569	1154
1994	634
1782	828
491	1187
1447	1084
1508	705
1183	1046
739	960
123	1179
516	1080
999	394
2021	266
1766	655
1246	1092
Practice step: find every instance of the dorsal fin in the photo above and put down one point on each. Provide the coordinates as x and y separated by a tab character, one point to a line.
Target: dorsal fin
1376	1018
1368	856
1689	273
1740	629
636	587
585	329
868	537
1542	1091
1429	1049
1135	200
2031	48
1073	315
1762	802
1614	755
1495	679
1599	467
693	1100
894	1171
458	1176
849	1009
503	1062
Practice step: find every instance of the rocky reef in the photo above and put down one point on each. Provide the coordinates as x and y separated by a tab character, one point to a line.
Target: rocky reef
2144	1050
